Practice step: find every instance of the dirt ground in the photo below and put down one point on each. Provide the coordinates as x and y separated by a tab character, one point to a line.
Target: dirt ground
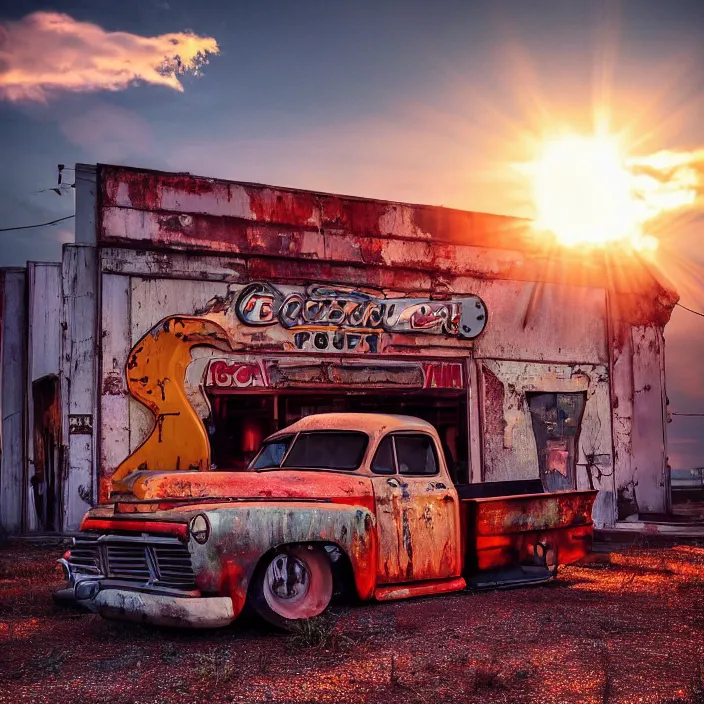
626	628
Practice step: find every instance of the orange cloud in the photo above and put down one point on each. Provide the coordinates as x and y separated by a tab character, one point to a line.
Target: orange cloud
47	52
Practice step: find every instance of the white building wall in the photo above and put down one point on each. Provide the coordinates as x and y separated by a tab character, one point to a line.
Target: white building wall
649	412
13	354
79	392
43	359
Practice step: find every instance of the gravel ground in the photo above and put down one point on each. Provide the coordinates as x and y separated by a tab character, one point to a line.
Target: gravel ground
628	627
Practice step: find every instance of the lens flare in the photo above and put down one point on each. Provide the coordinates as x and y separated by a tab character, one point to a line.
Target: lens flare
587	192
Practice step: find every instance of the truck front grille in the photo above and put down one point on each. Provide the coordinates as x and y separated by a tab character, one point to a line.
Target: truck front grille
85	555
128	561
147	560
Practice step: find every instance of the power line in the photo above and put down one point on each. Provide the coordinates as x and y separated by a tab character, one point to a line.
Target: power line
696	415
41	224
696	312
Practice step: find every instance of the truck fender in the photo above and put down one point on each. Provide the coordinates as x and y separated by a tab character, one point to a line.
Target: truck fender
242	534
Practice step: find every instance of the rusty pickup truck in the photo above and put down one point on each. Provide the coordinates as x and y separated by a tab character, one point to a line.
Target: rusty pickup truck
362	502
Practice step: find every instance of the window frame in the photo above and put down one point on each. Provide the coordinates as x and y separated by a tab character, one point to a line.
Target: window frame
400	433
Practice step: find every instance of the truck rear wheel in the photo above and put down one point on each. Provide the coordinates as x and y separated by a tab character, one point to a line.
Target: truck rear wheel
293	584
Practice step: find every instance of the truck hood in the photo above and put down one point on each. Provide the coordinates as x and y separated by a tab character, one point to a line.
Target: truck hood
271	485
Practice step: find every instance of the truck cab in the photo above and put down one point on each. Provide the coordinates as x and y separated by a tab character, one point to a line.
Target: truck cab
363	499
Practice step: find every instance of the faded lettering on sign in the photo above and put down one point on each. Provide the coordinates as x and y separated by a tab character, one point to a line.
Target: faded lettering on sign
321	306
443	375
234	375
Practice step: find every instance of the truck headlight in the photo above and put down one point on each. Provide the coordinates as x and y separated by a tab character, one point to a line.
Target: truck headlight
199	528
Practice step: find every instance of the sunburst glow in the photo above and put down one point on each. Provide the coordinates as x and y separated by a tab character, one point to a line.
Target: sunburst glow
586	191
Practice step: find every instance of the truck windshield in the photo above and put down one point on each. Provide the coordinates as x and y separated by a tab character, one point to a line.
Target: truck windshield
323	449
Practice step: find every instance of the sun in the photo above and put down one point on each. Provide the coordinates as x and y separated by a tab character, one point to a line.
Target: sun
583	192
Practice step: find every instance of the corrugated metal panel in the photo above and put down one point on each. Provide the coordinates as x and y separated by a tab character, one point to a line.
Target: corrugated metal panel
13	316
79	276
43	356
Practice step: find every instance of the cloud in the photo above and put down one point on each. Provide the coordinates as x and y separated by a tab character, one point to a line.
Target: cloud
47	52
109	133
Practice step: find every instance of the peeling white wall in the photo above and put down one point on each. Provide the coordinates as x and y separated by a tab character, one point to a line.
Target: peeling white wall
648	430
509	448
79	379
539	337
152	300
43	359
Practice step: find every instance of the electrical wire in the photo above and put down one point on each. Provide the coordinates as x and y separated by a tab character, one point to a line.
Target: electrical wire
41	224
696	312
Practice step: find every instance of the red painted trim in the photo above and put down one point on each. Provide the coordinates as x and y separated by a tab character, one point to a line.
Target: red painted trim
407	591
106	525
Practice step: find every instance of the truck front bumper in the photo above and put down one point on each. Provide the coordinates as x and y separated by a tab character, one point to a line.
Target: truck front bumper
155	609
117	600
161	610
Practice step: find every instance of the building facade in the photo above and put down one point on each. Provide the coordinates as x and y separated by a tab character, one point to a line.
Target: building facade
530	360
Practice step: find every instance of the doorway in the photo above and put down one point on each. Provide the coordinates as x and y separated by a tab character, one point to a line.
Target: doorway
557	419
240	421
46	481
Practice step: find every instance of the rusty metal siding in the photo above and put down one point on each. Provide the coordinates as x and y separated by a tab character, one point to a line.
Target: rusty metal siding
648	427
183	193
43	354
187	231
13	317
171	265
79	343
360	240
474	422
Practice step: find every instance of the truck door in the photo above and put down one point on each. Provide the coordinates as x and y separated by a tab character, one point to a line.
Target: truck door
417	511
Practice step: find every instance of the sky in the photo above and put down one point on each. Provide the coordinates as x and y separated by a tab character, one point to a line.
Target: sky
417	101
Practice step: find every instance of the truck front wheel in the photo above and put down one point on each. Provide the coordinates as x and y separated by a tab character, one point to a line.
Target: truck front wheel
293	584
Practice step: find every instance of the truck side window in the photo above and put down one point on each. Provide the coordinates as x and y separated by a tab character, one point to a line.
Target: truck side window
271	454
416	455
383	462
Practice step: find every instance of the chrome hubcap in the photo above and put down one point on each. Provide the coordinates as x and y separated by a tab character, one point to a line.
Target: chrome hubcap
288	578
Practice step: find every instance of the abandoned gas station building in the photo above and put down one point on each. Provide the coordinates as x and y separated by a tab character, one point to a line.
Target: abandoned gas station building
531	360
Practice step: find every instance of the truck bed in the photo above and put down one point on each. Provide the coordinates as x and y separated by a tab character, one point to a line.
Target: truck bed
522	537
